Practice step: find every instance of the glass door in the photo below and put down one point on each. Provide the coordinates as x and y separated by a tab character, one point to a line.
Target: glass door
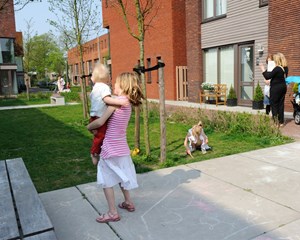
5	83
246	74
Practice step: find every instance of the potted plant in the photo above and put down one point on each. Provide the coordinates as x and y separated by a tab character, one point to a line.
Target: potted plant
231	97
207	86
295	87
258	98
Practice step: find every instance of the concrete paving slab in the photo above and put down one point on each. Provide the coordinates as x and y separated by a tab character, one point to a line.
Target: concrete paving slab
182	203
271	181
286	232
73	217
285	155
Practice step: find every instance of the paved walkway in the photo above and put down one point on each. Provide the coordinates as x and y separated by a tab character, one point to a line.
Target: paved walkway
253	195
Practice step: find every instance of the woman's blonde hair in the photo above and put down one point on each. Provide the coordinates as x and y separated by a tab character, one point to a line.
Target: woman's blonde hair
280	59
100	73
128	83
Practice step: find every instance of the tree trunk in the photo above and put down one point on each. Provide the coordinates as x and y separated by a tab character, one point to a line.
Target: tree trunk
145	102
137	128
83	87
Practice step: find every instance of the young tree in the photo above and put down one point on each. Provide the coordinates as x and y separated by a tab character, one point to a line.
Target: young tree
42	52
27	45
138	16
18	4
80	19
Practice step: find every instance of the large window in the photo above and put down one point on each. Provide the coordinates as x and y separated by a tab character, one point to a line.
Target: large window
211	65
219	65
214	8
6	50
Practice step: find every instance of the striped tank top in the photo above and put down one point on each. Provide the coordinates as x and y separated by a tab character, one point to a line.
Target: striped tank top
115	141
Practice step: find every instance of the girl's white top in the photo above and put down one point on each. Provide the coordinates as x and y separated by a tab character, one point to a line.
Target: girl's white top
99	92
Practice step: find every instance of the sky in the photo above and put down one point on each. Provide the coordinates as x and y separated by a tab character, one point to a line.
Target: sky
39	13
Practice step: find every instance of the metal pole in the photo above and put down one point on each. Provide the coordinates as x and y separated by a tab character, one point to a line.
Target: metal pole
162	110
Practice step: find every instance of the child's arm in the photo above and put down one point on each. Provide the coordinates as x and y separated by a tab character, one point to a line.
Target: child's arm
115	101
187	149
100	121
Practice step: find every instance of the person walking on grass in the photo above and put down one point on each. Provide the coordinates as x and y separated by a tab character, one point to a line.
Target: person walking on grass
115	165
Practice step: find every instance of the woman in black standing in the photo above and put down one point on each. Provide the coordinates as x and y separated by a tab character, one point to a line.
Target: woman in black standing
277	86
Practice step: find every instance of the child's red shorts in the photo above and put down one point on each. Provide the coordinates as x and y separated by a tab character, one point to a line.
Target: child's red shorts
98	138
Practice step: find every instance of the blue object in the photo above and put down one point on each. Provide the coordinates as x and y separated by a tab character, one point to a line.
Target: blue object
292	79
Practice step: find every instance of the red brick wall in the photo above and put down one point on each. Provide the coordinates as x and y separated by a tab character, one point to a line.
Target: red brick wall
7	21
165	39
90	53
90	50
284	36
194	53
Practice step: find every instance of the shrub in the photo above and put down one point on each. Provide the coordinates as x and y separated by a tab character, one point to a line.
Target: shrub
295	87
258	94
78	88
228	122
231	94
71	96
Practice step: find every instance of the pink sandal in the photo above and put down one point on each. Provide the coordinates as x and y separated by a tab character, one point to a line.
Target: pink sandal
127	206
108	217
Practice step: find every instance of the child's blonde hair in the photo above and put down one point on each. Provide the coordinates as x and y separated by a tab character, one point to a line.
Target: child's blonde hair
196	131
128	83
200	123
100	73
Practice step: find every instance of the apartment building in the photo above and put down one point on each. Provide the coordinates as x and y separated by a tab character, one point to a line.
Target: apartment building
94	51
217	41
226	39
11	52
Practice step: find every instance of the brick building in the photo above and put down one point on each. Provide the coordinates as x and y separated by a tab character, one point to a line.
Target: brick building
225	40
217	41
11	53
165	40
285	36
94	51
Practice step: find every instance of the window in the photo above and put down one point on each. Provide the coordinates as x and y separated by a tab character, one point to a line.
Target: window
76	69
214	8
90	67
263	3
7	50
219	65
149	77
211	65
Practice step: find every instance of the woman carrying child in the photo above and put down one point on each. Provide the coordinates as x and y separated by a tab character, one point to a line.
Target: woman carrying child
115	165
100	98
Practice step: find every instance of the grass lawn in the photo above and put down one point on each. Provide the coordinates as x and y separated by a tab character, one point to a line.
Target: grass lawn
54	144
